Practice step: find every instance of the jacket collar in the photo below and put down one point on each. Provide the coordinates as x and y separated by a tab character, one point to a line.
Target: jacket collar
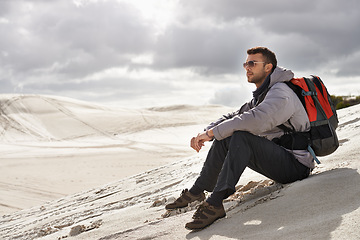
279	74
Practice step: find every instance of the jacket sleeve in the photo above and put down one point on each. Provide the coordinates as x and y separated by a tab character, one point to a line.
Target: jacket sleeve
276	108
245	107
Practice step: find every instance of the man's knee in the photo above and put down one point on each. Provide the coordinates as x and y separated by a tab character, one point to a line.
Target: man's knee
224	143
236	138
241	138
242	135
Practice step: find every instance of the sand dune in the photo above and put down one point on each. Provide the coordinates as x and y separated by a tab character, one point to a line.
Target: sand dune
44	118
324	206
54	146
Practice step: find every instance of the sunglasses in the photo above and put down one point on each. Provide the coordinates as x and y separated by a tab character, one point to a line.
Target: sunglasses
250	64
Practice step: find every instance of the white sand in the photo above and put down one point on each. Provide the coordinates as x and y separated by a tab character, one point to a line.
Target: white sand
51	147
53	150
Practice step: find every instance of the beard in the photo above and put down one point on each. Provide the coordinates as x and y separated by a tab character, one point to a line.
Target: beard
257	78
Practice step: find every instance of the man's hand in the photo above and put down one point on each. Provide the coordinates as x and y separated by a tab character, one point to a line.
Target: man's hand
198	142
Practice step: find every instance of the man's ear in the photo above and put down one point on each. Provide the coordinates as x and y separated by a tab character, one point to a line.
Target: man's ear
268	67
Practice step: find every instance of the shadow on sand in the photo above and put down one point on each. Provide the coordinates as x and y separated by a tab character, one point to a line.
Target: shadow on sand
309	209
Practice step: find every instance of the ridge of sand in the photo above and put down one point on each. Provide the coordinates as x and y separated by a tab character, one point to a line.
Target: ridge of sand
54	146
324	206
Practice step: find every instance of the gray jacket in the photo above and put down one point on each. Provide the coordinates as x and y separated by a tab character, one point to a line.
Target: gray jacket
279	106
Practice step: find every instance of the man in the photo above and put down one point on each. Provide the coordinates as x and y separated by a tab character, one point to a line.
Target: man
244	139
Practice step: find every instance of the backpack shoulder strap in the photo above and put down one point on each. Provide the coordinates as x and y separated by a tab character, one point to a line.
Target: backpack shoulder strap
298	91
311	85
287	129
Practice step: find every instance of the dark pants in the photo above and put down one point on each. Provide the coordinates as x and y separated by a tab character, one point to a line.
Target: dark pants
228	158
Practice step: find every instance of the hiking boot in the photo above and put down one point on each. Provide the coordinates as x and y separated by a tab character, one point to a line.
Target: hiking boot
185	198
205	215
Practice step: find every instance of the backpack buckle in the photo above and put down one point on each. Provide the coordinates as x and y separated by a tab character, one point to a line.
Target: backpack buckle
309	93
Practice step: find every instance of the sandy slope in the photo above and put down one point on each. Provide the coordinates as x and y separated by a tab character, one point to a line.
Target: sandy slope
324	206
51	146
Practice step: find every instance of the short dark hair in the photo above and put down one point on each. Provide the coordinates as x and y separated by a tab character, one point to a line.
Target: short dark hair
267	53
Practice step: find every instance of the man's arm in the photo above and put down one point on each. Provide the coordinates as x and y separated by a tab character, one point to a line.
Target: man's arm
246	107
198	142
275	109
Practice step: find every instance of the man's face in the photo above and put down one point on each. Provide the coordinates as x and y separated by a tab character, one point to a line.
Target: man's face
258	72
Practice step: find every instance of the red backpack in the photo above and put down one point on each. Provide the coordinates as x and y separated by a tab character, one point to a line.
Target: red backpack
321	112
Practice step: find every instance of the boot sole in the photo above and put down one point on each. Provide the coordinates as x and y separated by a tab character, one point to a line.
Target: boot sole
184	206
199	229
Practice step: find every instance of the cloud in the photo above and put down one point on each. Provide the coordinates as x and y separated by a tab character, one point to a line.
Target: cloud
348	66
169	47
206	50
233	96
298	30
76	40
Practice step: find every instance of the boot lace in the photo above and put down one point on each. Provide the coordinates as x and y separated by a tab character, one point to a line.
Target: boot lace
199	212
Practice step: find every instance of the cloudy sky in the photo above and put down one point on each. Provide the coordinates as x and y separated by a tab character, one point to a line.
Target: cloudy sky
161	52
